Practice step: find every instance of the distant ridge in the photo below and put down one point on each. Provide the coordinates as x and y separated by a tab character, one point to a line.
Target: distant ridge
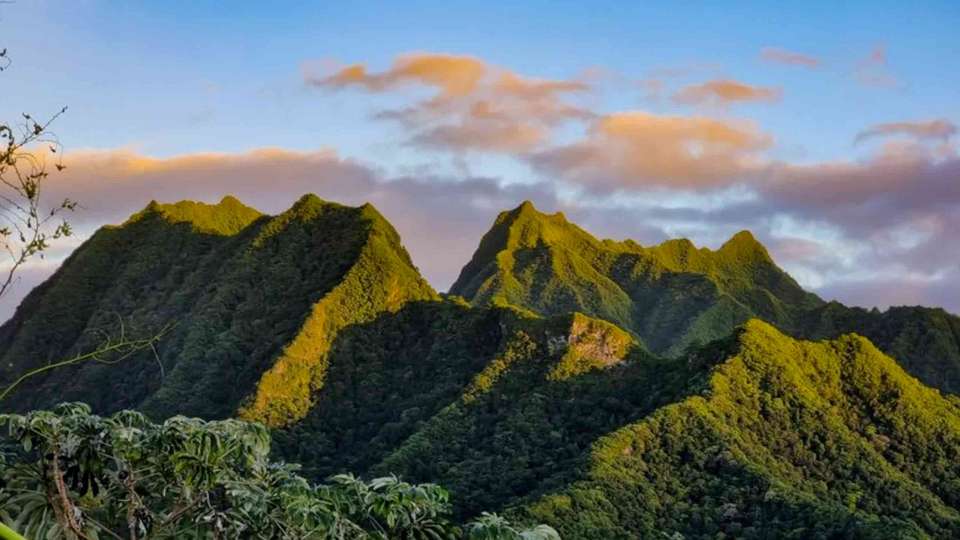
669	295
675	295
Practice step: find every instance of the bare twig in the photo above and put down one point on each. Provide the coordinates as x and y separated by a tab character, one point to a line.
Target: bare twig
122	346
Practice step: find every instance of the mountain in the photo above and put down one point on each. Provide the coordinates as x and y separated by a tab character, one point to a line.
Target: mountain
924	340
669	296
568	421
674	295
605	388
254	299
783	439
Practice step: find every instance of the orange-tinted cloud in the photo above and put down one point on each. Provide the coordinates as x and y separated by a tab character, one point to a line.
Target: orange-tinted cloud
477	106
723	92
638	149
452	75
939	129
790	58
487	135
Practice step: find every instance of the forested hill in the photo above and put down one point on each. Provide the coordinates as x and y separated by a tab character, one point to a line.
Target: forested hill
605	388
242	295
783	439
674	294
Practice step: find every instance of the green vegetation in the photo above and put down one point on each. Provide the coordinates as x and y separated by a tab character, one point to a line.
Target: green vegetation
607	389
674	296
243	300
786	439
669	295
77	475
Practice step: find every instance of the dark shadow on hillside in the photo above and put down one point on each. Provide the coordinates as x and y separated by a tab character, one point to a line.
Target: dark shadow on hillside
393	402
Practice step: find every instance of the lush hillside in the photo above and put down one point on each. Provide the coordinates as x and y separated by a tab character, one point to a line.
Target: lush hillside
669	296
251	297
565	382
567	421
924	341
786	439
674	295
497	403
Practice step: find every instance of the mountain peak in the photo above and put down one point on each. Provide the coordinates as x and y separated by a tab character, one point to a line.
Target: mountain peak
225	218
526	206
525	212
744	243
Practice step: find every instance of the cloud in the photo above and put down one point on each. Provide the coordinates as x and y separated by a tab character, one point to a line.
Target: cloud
897	291
854	229
638	149
476	106
503	137
782	56
452	75
723	92
939	129
874	71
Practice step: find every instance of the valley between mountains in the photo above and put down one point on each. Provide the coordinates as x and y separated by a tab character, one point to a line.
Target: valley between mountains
605	388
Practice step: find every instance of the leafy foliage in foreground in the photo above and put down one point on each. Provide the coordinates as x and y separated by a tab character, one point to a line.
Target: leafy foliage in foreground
77	475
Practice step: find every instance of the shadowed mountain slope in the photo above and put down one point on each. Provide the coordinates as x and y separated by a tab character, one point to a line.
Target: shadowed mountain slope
249	296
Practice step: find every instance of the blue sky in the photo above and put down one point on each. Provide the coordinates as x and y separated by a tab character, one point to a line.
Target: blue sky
173	79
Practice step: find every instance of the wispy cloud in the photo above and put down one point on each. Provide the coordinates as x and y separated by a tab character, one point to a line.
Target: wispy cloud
638	149
939	129
874	71
722	92
790	58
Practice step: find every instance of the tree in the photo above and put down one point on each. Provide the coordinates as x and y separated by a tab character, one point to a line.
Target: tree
27	223
75	475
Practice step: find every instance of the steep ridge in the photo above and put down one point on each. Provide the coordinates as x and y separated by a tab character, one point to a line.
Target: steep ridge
786	439
674	296
245	292
524	423
924	341
541	395
567	421
670	295
494	403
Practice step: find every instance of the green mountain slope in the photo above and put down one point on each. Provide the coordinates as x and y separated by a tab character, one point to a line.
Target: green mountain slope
786	439
250	295
924	341
573	388
674	295
669	295
495	402
567	421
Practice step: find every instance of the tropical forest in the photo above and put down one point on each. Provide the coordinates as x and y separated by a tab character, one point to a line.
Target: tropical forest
501	301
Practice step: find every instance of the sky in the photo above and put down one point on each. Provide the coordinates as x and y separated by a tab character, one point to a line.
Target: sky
828	130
